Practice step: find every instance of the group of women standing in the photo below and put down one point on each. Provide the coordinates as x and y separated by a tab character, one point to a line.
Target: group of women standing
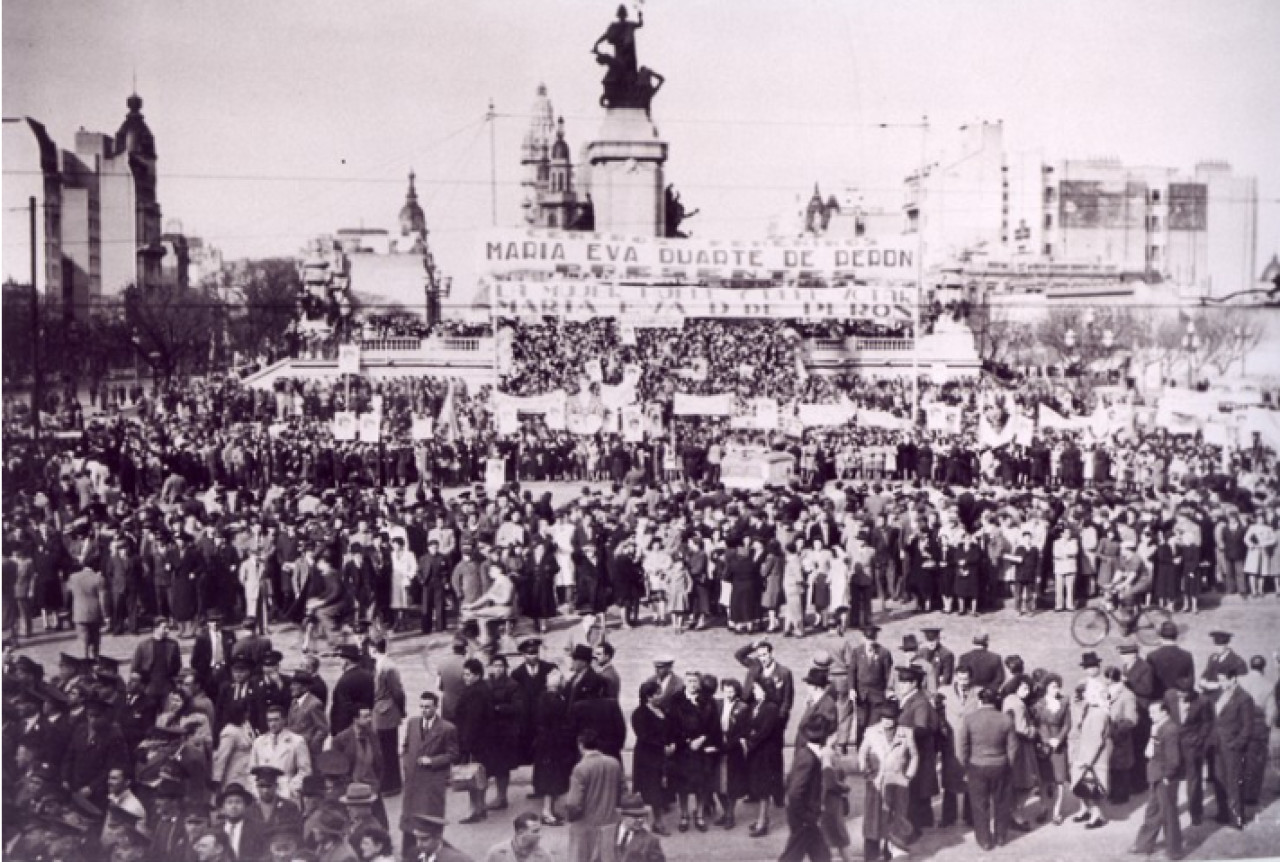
706	746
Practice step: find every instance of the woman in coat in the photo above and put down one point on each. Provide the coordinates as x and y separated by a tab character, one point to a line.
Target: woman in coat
1052	719
1108	556
1024	775
734	717
888	759
502	754
1260	538
702	598
793	588
627	578
235	743
652	748
1123	709
771	572
555	750
540	569
763	748
693	729
1089	747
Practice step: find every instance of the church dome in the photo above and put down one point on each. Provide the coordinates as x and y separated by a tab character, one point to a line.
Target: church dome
134	137
537	141
412	219
560	150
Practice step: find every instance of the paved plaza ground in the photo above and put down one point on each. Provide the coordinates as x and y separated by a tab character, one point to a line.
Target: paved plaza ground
1043	641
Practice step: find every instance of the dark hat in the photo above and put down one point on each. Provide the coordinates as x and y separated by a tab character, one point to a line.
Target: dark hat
909	643
107	665
69	660
871	631
301	676
272	659
235	788
530	646
888	709
286	830
1169	630
266	774
333	764
241	662
1090	659
312	785
1127	648
632	805
331	822
816	676
909	673
931	632
982	638
1221	638
347	652
581	652
358	793
426	824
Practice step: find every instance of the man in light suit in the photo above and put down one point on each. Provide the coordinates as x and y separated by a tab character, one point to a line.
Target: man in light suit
87	593
596	786
430	749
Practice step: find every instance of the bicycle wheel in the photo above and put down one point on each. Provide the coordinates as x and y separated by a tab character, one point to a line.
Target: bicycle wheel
1147	627
1089	626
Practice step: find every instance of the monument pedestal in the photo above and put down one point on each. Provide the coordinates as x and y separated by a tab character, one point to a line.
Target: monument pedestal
627	182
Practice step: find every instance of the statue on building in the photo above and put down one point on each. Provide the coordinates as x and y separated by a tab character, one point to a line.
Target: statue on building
626	84
675	213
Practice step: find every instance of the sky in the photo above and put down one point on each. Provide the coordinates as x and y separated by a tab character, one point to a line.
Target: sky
276	122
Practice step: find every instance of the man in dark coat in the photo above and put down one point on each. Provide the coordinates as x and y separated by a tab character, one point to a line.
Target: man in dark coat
870	676
95	748
474	718
158	659
354	687
433	575
531	676
804	795
762	667
430	749
1193	714
917	713
1164	767
1232	728
241	688
986	668
1171	665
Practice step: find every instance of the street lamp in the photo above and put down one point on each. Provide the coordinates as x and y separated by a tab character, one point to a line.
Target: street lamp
1190	343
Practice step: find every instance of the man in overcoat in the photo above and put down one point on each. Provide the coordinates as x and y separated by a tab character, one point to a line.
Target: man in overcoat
430	750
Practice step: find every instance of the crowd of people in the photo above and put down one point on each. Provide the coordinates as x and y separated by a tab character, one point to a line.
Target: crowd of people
206	514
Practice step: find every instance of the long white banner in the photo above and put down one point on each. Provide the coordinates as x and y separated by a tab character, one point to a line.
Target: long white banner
508	252
583	300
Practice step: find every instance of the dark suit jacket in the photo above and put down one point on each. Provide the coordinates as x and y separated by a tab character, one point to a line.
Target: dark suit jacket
346	743
586	687
1195	723
642	847
778	678
1234	721
868	676
986	669
1173	667
1141	680
306	718
253	840
354	688
1166	761
804	788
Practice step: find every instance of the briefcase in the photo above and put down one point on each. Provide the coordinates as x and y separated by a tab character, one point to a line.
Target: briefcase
468	776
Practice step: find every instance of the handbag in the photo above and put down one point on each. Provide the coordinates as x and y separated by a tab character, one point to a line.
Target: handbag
1088	787
467	777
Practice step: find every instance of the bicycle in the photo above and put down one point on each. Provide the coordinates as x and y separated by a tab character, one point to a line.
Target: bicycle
1090	625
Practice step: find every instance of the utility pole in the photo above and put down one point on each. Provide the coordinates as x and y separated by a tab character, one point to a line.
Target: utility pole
915	323
493	164
37	384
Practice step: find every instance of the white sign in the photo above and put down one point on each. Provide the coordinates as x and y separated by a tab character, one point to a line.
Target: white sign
633	423
349	359
370	427
344	426
423	428
495	475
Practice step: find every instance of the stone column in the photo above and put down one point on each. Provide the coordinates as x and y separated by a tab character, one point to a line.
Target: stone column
627	178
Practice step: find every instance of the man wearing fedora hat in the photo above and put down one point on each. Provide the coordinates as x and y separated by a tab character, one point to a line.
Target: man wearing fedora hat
355	687
917	713
244	834
804	795
817	700
635	842
429	843
330	829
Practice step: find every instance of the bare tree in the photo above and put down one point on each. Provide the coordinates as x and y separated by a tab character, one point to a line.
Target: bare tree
1227	336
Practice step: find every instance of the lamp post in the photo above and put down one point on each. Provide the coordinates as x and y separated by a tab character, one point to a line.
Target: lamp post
1190	343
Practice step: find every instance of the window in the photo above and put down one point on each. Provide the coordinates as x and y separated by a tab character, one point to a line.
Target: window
1048	221
1048	249
1155	196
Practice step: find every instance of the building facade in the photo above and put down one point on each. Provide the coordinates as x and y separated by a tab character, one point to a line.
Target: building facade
549	178
101	226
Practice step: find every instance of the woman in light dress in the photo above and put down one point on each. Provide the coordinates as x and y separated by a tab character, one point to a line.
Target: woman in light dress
1260	539
1089	746
657	566
793	591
